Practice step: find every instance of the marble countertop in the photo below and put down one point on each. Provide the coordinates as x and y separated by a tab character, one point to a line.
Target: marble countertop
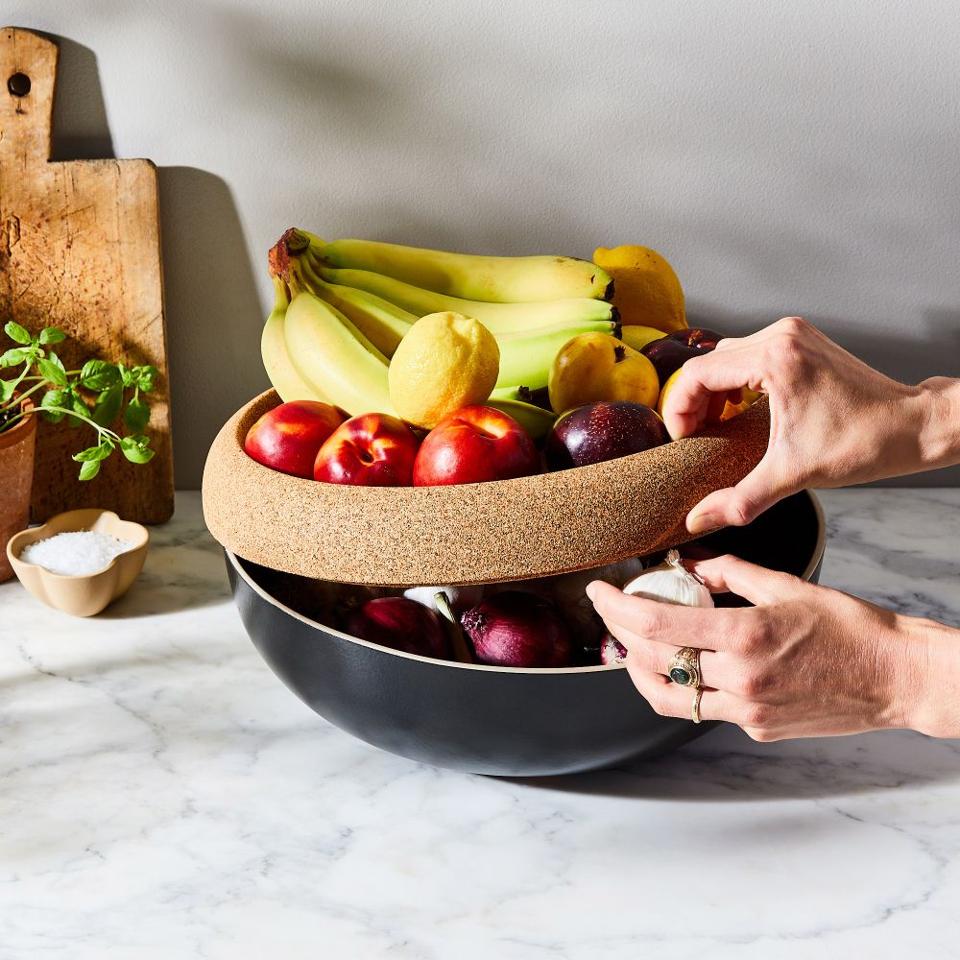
162	795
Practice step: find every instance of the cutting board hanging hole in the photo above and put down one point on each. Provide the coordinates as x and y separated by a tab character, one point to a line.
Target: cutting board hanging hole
19	85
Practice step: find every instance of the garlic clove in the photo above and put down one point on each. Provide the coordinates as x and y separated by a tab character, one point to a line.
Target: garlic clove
461	598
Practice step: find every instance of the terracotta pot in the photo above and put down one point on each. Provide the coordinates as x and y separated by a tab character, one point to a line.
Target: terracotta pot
16	477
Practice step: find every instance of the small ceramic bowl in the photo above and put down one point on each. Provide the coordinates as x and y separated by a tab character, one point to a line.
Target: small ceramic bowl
81	595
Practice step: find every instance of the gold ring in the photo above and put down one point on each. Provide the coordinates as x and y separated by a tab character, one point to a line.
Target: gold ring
695	708
684	667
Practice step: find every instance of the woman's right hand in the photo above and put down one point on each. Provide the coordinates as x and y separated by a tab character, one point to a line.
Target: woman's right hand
833	420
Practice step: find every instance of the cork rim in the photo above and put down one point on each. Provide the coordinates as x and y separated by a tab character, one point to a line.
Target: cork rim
444	534
815	559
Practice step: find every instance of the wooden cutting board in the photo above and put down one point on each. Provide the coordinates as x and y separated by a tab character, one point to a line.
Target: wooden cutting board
80	249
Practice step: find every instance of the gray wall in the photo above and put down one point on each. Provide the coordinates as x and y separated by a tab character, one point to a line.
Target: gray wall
787	157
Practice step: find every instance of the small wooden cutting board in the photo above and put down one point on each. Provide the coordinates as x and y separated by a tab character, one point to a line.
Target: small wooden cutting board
80	249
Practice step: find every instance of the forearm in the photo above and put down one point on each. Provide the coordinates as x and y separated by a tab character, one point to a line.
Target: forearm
929	678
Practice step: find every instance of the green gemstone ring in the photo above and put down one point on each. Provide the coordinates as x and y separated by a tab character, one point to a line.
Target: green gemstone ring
684	667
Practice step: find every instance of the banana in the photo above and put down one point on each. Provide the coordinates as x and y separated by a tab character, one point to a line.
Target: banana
535	420
527	359
471	277
498	318
377	319
276	359
334	358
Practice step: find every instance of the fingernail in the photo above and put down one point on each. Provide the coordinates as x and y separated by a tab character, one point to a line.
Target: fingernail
592	592
703	522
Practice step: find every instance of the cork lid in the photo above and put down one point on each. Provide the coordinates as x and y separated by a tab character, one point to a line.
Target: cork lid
474	533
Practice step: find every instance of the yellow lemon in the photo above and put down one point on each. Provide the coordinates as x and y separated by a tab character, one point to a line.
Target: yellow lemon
645	289
636	336
444	362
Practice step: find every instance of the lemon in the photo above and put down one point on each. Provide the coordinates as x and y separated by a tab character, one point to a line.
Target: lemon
444	362
645	288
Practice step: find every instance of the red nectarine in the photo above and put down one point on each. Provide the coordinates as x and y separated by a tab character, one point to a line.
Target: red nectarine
473	445
288	437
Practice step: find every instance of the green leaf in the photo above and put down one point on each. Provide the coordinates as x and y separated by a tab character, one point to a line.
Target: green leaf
99	375
137	449
89	469
52	369
56	398
52	335
79	407
146	377
17	333
137	414
13	356
108	405
127	376
6	390
100	452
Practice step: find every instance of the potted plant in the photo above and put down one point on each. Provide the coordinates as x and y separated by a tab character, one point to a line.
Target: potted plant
95	396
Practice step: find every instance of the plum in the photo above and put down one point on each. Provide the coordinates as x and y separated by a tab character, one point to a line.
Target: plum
603	431
670	353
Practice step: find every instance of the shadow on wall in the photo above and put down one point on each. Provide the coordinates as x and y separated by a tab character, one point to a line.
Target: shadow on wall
931	350
213	311
80	128
212	308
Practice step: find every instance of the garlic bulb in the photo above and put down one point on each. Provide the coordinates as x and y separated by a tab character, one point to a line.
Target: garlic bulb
570	592
671	582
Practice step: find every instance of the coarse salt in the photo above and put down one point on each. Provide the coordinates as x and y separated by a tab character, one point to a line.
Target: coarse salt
74	554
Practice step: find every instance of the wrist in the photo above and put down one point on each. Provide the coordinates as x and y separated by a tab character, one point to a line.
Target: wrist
937	406
928	694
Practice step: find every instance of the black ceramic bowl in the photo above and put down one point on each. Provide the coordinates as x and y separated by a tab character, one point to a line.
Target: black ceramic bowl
494	720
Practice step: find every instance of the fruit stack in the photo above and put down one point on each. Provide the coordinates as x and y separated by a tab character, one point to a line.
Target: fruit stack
401	366
546	623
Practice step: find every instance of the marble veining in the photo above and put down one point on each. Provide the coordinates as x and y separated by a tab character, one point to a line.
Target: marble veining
163	796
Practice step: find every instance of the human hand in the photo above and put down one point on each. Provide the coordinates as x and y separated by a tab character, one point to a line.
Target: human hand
805	661
833	420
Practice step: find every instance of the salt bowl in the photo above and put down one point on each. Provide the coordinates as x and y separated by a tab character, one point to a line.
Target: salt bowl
75	574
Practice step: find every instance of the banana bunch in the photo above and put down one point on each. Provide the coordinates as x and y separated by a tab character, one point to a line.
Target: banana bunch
342	308
312	351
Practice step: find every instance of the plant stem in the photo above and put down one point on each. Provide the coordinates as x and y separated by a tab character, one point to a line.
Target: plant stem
101	431
20	397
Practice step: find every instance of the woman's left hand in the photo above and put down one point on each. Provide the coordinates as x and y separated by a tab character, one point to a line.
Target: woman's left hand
804	661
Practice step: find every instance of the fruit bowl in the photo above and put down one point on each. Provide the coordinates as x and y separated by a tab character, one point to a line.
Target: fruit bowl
482	719
470	533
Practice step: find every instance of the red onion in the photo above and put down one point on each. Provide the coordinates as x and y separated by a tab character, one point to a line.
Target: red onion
517	629
401	624
612	650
